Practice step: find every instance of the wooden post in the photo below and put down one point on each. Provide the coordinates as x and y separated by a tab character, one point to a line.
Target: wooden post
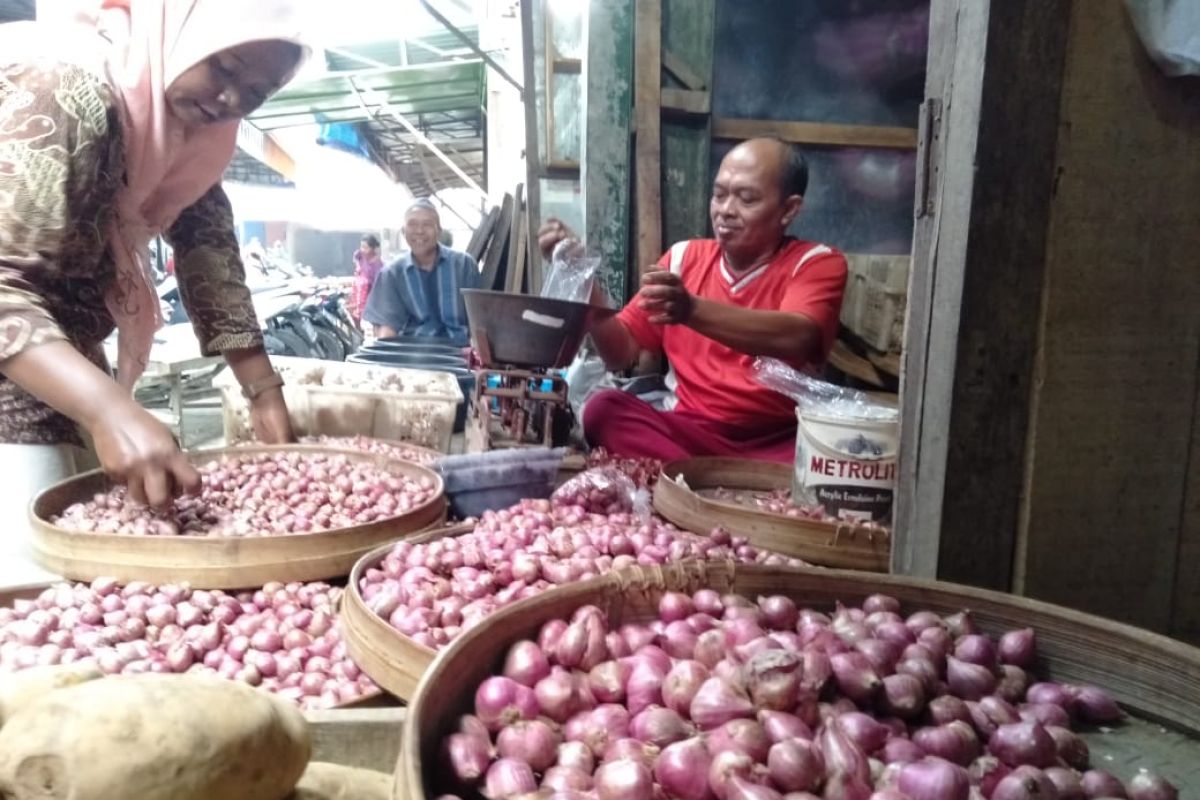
990	126
607	149
648	113
688	32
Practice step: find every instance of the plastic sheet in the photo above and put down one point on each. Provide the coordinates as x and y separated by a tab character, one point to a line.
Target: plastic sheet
814	396
605	490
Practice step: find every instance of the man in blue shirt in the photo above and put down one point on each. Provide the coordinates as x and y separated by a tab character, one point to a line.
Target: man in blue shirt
419	294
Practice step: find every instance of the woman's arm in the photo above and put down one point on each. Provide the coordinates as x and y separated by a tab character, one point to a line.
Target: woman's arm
212	284
52	184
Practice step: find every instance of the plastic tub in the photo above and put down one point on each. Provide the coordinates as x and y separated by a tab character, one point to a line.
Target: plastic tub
477	483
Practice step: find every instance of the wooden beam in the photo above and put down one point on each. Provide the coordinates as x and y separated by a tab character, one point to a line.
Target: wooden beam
685	74
471	45
648	117
607	151
817	133
482	232
496	245
995	73
685	101
688	34
533	158
515	271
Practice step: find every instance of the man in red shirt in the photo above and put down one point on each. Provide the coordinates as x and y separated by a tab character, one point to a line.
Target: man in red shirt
712	306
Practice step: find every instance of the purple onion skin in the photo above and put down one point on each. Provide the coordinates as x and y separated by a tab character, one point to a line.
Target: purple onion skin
682	770
1066	782
934	779
1099	783
1023	744
1025	784
1148	786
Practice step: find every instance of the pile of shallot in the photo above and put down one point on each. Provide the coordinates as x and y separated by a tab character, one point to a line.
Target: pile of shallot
263	494
281	637
643	472
775	501
369	445
431	592
727	699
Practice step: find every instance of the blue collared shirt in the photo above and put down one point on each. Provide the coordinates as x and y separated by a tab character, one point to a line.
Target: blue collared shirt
419	303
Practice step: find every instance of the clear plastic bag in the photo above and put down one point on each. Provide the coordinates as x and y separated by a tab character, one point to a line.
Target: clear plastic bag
571	274
604	490
814	396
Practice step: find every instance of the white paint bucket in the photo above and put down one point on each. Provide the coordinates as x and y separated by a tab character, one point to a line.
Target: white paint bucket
847	465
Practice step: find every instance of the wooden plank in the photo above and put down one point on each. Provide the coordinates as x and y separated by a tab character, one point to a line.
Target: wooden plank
607	151
533	157
688	31
690	78
495	247
479	236
843	358
648	119
685	101
1185	609
886	362
516	256
1001	289
519	255
1116	382
821	133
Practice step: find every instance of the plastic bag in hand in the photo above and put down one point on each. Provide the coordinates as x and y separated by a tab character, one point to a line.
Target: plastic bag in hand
571	273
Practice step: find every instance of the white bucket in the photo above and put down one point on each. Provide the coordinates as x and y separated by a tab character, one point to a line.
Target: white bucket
847	465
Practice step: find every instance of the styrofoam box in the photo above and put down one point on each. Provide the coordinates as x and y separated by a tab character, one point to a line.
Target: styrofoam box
322	401
876	298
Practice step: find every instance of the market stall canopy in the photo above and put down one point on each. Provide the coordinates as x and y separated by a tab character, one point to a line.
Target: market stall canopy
396	106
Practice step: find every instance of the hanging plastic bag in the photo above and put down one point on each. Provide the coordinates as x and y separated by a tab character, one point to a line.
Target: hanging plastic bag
846	445
572	273
1170	31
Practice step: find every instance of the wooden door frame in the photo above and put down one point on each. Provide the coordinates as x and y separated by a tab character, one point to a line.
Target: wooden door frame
986	170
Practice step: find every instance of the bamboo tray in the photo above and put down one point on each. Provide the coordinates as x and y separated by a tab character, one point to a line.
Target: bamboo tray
219	562
827	544
1156	679
391	659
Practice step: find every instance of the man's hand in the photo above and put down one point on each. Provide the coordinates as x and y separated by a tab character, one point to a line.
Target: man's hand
136	449
552	232
665	299
269	416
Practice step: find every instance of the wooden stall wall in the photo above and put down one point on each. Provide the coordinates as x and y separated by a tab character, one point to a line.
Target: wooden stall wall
1111	520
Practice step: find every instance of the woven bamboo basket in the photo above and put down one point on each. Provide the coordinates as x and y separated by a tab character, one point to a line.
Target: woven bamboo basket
391	659
1153	677
828	544
219	562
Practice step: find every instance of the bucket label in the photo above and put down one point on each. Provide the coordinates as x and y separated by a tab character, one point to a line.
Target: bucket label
848	467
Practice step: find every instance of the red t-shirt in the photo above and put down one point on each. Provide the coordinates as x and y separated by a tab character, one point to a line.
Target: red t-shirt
713	380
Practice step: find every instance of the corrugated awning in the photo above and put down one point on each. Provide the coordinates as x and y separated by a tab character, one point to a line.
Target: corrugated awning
444	101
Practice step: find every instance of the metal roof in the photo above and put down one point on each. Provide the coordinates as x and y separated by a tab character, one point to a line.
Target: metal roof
434	83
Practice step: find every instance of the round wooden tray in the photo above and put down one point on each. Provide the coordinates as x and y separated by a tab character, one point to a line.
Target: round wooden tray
387	656
1153	677
219	562
827	544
